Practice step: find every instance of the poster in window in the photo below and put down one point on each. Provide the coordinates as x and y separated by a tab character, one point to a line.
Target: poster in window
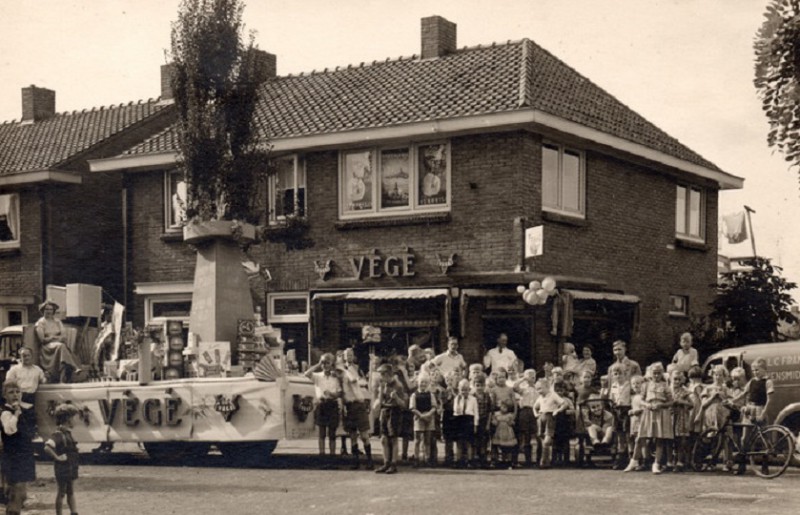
358	181
178	199
432	177
395	166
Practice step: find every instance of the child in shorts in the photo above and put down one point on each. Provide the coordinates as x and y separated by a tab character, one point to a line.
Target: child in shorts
485	403
526	422
62	449
327	390
390	400
547	406
423	406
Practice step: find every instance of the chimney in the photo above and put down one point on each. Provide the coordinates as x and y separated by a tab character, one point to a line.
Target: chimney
438	37
38	104
267	64
167	70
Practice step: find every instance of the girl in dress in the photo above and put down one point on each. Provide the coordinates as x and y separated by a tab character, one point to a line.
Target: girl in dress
635	445
656	421
681	418
504	441
713	411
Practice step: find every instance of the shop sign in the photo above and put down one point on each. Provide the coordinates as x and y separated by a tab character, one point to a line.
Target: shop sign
373	266
155	412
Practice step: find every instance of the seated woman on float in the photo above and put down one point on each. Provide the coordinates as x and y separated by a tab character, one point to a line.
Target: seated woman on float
55	357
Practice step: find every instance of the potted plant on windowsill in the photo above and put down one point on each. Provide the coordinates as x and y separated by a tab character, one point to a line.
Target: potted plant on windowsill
292	230
216	76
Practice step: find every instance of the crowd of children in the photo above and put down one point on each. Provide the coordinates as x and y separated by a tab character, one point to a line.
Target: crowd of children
489	418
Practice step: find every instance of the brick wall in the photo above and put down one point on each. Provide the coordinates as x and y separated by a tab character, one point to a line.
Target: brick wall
627	240
20	269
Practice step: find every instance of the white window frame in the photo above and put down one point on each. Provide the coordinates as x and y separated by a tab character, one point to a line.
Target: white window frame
6	308
14	210
169	225
299	172
682	232
414	207
272	318
684	312
154	293
559	209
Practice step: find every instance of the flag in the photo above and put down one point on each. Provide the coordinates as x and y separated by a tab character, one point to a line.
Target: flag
734	228
265	370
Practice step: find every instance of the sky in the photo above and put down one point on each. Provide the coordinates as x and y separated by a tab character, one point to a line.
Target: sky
685	65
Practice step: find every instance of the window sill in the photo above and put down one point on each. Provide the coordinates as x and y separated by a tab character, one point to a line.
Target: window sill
415	219
691	244
9	250
172	236
550	216
677	315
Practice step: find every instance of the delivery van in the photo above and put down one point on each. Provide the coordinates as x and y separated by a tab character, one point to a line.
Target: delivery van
783	367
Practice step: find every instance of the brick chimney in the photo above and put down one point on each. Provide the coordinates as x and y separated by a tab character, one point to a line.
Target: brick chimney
166	81
438	37
38	104
267	64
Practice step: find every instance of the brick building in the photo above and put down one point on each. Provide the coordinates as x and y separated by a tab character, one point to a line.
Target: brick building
411	183
59	223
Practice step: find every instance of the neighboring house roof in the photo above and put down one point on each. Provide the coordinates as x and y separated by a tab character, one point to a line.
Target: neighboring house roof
473	81
47	144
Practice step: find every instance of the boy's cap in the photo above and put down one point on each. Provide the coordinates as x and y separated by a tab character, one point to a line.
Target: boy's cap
384	368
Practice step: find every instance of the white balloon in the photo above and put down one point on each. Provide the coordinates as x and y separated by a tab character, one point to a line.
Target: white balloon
549	284
535	285
520	289
529	297
542	294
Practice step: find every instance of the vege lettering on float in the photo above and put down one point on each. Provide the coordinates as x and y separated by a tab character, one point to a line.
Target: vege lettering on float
153	411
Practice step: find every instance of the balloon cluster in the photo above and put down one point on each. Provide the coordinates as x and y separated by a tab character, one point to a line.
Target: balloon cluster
537	292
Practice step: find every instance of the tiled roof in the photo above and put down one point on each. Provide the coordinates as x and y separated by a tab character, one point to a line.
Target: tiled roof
46	144
473	81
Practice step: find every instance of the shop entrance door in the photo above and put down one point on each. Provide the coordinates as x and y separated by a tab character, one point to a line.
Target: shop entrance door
517	327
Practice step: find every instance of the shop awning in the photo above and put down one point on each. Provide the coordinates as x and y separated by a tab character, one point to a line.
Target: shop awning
399	294
601	295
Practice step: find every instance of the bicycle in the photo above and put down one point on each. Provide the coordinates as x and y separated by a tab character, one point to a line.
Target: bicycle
768	448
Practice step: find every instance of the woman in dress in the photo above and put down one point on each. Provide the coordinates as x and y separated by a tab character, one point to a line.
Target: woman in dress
55	357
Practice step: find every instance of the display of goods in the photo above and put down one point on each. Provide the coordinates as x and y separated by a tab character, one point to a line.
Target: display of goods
174	327
172	373
175	359
246	327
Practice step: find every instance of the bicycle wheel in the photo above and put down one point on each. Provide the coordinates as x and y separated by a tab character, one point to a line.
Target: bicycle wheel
706	450
771	451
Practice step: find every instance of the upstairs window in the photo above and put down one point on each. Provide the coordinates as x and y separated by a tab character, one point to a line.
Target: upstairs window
392	181
563	180
174	201
287	189
9	220
689	213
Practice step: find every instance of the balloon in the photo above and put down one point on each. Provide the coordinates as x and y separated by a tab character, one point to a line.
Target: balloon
529	296
520	289
535	285
549	284
542	294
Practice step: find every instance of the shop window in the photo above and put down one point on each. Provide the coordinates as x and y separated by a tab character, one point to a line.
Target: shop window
286	308
679	305
159	308
689	213
174	201
395	180
563	180
287	189
9	221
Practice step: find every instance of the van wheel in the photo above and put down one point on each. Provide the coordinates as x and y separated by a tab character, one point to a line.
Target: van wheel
247	454
792	423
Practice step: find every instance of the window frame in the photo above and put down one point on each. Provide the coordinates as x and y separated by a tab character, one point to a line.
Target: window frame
151	293
5	309
684	312
168	226
299	169
15	204
683	233
272	318
559	209
376	167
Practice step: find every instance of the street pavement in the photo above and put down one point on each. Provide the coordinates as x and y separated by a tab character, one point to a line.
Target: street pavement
292	482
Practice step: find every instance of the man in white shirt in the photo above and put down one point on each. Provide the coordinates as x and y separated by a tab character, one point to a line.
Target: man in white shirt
501	356
451	360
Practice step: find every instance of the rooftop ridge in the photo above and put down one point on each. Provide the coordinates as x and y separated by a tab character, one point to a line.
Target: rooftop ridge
390	60
85	110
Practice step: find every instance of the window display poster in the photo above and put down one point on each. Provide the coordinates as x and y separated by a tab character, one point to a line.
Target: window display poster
358	181
432	177
395	178
534	241
213	359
